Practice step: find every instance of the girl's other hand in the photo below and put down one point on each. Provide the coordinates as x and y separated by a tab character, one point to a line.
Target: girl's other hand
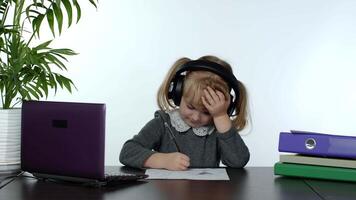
215	102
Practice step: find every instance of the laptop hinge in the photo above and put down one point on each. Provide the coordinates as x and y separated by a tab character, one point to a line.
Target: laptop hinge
68	178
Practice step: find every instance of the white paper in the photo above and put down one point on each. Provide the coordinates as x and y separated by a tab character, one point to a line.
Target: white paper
190	174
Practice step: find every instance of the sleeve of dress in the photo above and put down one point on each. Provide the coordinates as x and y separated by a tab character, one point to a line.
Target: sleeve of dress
232	149
136	150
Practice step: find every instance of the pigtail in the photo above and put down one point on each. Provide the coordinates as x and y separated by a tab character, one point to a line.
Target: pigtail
240	120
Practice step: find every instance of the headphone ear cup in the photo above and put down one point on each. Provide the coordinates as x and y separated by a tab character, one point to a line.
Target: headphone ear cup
230	109
176	89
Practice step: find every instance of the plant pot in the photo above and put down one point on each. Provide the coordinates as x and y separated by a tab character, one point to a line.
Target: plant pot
10	140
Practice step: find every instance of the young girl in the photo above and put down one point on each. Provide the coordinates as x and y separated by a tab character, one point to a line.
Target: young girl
202	108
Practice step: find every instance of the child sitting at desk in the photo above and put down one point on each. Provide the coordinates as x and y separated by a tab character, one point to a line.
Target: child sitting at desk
202	108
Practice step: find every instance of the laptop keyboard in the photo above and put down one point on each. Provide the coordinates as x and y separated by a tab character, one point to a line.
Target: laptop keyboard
124	176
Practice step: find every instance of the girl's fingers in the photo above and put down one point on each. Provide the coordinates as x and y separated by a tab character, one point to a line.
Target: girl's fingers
208	97
213	94
185	157
221	96
182	168
205	103
185	163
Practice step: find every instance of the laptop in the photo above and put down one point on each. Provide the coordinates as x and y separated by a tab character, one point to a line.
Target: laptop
66	141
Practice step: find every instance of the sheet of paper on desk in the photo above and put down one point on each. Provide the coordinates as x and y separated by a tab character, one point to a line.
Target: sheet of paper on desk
190	174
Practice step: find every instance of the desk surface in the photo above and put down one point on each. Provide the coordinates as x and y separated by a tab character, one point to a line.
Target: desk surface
249	183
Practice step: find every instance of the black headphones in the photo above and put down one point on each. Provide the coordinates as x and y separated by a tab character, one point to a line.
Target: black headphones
175	91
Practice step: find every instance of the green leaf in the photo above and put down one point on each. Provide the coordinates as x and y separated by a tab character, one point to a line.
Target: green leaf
30	12
50	20
68	7
66	83
93	2
36	89
3	6
59	17
23	93
52	82
43	84
32	92
59	80
36	24
45	67
69	52
43	45
79	12
27	78
56	61
60	56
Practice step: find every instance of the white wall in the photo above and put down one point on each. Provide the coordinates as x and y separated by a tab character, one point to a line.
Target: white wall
297	59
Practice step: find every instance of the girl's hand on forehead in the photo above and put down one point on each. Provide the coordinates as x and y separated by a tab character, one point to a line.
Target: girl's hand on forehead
215	102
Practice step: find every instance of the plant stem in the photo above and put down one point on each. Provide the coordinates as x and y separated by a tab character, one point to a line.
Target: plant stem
16	103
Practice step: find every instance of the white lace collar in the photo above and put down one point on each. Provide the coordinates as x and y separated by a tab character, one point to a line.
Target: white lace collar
178	123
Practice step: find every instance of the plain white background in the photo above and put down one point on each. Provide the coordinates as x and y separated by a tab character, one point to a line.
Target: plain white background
296	58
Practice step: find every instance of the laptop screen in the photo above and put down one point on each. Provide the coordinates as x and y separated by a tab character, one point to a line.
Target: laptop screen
63	138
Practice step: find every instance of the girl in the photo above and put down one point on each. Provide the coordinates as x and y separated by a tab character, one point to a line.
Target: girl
202	108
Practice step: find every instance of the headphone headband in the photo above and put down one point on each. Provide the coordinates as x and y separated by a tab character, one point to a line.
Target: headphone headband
203	65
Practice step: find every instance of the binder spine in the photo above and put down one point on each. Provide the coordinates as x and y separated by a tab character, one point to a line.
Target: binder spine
321	145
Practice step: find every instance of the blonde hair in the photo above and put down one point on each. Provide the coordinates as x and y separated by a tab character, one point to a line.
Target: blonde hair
194	86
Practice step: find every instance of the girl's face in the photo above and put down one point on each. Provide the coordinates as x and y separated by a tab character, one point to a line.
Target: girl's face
193	116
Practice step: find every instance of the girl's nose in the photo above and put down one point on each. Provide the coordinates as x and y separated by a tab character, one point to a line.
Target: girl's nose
195	116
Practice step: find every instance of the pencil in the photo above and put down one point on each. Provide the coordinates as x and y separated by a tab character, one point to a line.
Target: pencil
171	135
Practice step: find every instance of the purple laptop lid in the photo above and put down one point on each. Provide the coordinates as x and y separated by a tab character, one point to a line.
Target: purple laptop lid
63	138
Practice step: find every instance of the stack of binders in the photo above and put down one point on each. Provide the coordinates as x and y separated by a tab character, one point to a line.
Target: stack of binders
317	155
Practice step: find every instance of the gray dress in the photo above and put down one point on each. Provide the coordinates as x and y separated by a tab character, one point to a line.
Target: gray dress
203	151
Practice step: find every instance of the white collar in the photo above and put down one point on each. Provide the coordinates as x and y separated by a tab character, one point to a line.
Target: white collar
179	124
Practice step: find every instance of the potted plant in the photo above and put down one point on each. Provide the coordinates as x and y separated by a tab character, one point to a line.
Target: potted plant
29	67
